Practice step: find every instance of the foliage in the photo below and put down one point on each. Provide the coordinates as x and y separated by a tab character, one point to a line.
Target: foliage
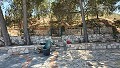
101	7
14	14
41	9
62	9
117	23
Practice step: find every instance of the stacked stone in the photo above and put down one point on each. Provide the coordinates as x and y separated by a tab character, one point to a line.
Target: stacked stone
100	38
56	39
93	46
18	51
34	39
17	40
72	38
105	30
21	49
39	39
90	31
118	37
92	38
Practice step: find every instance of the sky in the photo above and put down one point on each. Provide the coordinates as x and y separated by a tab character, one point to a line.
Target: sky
6	5
117	10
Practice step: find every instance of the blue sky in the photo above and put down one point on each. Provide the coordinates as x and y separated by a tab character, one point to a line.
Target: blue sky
6	5
117	11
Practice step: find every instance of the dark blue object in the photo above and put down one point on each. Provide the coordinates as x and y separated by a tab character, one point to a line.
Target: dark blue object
46	48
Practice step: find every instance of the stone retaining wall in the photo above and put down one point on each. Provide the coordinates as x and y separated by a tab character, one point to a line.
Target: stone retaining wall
34	39
81	46
20	49
93	46
92	37
73	38
95	30
16	50
84	46
39	39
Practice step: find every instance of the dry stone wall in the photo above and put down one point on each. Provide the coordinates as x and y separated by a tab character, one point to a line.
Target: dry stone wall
34	39
20	49
118	37
93	46
73	38
91	37
95	30
81	46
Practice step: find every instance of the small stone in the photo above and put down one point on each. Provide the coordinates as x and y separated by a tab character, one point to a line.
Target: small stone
109	46
93	47
114	46
52	58
119	46
97	47
21	52
101	47
26	51
53	64
10	51
83	47
21	49
100	63
104	47
89	64
14	49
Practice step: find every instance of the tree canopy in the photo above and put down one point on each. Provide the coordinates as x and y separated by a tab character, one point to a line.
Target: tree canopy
62	9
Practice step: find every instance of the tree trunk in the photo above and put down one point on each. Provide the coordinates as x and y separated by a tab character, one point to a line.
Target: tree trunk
5	34
84	23
25	25
59	29
97	14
